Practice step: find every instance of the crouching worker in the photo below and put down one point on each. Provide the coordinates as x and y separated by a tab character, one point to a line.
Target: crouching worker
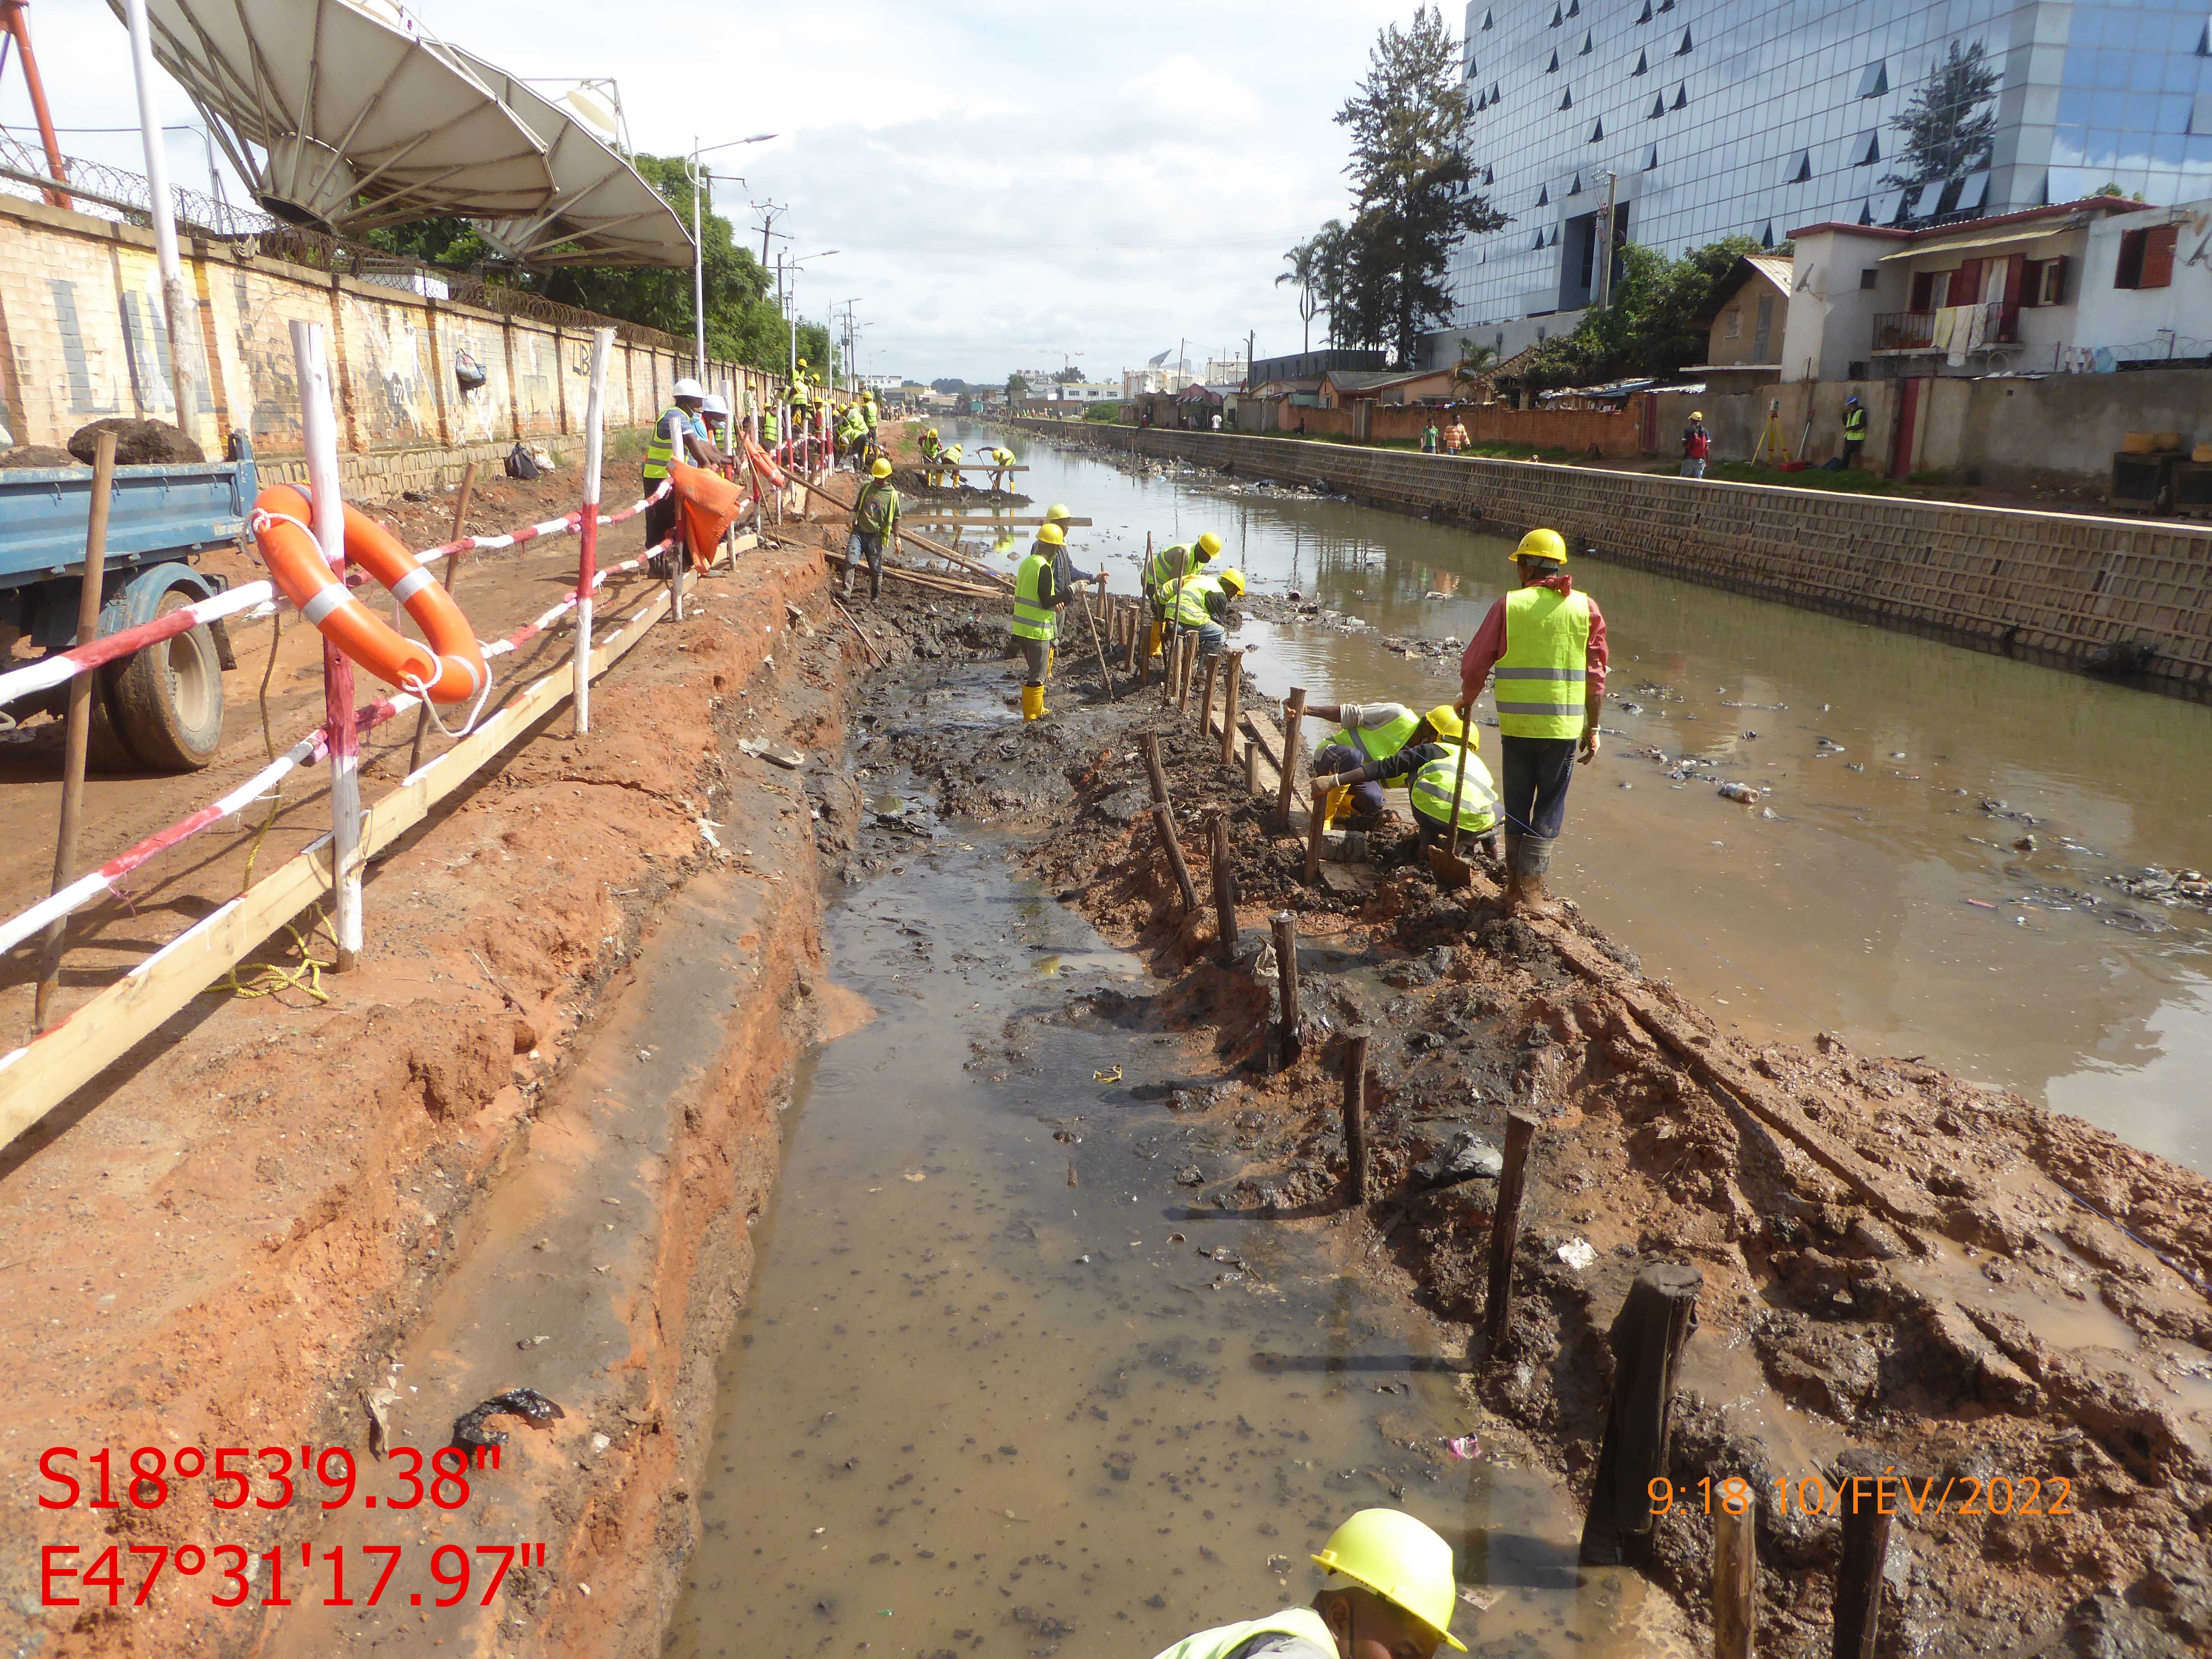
1396	1603
1201	607
1428	770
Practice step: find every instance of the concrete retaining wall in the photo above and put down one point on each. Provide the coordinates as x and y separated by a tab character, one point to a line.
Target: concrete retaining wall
82	336
2049	586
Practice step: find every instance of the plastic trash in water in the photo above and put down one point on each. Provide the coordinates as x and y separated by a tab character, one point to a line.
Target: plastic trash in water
528	1404
1111	1075
1742	792
1578	1254
1463	1447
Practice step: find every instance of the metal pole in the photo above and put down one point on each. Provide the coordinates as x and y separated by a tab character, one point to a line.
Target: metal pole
11	14
698	269
162	210
79	730
319	429
587	557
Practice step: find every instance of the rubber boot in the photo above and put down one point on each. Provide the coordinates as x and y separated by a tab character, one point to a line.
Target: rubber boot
1033	702
1152	643
1047	664
1512	869
1534	862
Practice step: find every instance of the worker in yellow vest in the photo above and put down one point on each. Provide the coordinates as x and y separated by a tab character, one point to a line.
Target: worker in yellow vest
1002	468
1396	1601
680	426
1202	602
1368	733
1430	768
1035	618
1545	642
1166	567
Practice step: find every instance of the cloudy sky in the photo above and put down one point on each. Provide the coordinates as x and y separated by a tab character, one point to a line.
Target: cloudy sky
1006	184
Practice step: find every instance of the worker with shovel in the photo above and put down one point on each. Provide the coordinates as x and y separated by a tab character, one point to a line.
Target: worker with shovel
875	521
1396	1601
1546	641
1432	769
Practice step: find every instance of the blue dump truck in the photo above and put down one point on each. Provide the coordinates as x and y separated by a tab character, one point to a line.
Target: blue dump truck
159	708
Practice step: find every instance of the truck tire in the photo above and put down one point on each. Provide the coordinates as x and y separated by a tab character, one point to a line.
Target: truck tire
167	698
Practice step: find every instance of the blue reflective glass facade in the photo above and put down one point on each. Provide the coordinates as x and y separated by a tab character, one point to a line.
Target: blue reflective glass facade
1721	117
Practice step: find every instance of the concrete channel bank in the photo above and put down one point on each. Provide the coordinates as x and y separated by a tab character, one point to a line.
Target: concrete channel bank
2069	590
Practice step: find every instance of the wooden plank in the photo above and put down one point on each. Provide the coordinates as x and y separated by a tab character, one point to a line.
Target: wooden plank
43	1073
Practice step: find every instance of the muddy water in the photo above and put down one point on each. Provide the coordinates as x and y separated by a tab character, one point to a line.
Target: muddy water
1886	905
1006	1387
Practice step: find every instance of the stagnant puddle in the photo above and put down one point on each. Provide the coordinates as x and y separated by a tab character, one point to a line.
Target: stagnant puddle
1006	1387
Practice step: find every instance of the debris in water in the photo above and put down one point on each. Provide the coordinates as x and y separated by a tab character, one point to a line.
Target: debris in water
914	1175
1480	1600
1981	904
1742	792
379	1419
528	1404
1111	1075
1576	1254
1463	1447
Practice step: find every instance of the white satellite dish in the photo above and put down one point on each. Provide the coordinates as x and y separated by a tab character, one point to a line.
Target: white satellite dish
345	114
601	212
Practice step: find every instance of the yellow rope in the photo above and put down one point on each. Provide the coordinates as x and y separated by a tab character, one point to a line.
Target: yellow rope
270	978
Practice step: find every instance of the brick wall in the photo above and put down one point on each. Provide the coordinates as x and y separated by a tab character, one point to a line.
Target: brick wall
2050	586
82	335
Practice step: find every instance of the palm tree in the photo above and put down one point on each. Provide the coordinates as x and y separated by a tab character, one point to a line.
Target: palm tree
1304	269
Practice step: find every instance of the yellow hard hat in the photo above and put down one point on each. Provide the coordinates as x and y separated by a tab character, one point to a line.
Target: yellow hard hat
954	450
1232	579
802	362
882	469
1543	544
1053	535
1696	415
932	432
1443	720
1402	1560
1056	512
1208	545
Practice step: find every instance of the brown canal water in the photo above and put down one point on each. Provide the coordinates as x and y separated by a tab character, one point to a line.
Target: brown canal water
1880	901
1007	1386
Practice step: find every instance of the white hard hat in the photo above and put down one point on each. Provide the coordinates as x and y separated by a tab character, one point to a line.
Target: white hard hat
717	403
688	387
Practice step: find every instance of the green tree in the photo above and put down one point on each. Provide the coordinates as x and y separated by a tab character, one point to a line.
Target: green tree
1948	132
1302	266
1017	388
1649	327
1413	186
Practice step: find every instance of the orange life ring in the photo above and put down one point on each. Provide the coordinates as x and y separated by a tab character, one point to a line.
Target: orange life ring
450	669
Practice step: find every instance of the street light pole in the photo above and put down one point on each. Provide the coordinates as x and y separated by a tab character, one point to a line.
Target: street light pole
699	245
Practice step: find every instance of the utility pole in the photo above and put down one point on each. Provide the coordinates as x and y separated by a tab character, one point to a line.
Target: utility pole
1251	340
1604	271
770	212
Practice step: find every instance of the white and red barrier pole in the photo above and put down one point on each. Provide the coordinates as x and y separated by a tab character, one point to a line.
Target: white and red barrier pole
319	432
587	558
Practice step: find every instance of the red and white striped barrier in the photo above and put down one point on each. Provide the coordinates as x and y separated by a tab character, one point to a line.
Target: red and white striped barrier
567	525
60	666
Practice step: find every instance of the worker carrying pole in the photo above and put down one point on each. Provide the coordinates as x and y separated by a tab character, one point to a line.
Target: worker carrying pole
679	425
1396	1604
1036	597
1547	643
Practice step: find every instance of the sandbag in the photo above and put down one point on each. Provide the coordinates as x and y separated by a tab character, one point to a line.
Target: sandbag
706	504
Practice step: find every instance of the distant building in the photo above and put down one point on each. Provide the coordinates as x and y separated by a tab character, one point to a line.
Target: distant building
1312	365
1745	317
1141	382
1742	118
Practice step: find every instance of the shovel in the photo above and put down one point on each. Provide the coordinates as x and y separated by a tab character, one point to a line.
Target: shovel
1451	871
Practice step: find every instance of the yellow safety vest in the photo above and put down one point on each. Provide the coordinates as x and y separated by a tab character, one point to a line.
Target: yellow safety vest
1546	665
1167	565
1379	742
1190	598
659	448
1033	617
1431	793
1302	1622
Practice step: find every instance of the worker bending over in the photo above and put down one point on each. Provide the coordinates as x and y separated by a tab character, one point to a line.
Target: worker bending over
1546	641
1428	770
1202	602
875	521
1002	469
1370	733
1037	602
1397	1603
678	427
931	449
1166	567
852	437
948	468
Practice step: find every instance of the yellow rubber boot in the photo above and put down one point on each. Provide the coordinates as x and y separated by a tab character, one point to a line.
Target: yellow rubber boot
1338	800
1033	702
1047	664
1153	642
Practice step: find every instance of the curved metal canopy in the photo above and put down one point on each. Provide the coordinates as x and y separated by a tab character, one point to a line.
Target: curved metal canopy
601	212
340	113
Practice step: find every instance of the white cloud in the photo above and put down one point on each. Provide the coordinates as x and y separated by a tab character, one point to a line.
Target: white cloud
1005	185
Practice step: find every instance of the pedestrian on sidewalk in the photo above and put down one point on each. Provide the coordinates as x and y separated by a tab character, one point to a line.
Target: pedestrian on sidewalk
1454	436
1430	769
1855	428
1429	437
875	521
1697	444
1396	1604
1546	640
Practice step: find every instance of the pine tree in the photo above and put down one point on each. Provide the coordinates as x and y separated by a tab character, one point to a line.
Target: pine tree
1412	185
1948	132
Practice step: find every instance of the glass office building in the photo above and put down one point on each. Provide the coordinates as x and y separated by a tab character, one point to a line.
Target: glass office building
1724	118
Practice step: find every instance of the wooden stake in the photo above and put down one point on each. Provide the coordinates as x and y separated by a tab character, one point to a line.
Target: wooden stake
453	575
1251	767
1505	1231
1355	1112
1647	1338
1735	1578
1205	697
1294	711
1225	891
1317	827
78	734
1164	821
1232	673
1150	743
1866	1548
1290	1037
